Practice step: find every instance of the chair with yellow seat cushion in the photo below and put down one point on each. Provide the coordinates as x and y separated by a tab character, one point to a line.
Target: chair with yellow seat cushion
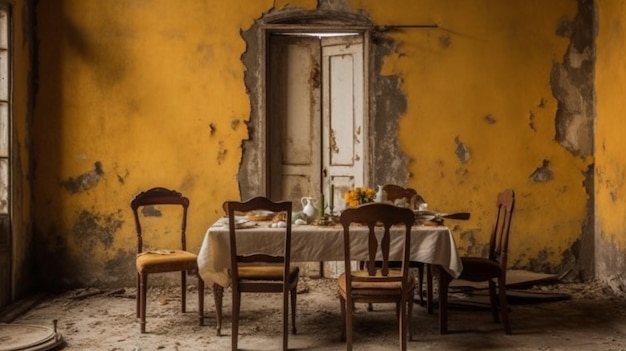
152	204
377	284
262	272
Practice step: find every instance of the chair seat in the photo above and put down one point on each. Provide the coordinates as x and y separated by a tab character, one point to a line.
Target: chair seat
166	261
267	272
479	269
374	288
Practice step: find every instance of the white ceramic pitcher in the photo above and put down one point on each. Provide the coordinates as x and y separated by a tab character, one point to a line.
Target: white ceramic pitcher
308	207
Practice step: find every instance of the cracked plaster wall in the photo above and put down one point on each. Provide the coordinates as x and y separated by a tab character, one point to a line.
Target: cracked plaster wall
481	98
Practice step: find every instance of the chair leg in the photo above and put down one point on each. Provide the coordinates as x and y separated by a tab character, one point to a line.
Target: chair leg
218	295
235	319
429	288
183	291
138	294
402	322
444	282
342	305
420	276
142	308
410	319
349	327
493	300
200	299
285	318
503	306
294	293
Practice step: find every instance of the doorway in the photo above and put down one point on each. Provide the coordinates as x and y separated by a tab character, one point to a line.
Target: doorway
316	115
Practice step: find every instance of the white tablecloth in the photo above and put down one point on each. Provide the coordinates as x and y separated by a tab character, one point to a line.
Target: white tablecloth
429	244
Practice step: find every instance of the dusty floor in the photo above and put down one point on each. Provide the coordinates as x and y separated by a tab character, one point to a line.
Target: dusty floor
593	319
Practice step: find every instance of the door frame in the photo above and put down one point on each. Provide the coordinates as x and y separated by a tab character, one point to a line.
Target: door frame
256	149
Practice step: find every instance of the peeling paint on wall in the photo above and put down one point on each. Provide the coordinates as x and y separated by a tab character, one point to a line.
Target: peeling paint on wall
462	151
84	181
572	83
542	173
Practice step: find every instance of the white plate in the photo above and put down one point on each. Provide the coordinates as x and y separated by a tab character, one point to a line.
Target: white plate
239	222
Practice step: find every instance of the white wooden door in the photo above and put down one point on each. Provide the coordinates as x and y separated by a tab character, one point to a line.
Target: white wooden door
344	137
316	117
294	118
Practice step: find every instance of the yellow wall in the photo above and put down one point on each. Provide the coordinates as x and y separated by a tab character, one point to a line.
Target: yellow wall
488	58
610	141
153	93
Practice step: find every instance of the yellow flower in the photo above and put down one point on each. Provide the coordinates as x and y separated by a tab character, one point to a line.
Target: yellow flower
358	196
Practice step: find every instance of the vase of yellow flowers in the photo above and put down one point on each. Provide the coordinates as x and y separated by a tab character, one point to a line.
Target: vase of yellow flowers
359	196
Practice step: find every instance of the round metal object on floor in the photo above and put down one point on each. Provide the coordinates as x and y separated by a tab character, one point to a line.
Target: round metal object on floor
27	337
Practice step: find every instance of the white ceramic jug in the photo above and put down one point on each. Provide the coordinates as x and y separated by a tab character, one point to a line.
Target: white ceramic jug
381	195
308	207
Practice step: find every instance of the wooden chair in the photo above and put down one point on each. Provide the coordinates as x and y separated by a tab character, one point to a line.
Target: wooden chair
377	285
262	272
395	192
481	269
164	260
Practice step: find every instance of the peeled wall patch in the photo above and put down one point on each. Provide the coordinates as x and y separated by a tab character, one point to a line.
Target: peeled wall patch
572	82
84	181
543	173
462	151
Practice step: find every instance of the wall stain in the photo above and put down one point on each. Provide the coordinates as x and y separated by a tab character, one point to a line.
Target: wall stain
84	181
490	119
543	173
462	151
95	229
445	40
221	152
234	124
531	119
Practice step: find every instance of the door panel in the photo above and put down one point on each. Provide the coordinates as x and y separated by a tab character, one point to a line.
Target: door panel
316	116
343	138
294	117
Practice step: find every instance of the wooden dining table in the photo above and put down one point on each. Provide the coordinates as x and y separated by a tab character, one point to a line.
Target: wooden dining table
430	244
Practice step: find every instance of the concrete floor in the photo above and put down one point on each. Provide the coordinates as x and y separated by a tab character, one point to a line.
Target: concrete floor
593	319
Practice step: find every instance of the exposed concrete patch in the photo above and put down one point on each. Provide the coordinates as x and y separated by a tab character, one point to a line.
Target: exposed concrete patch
388	103
543	173
334	5
84	181
610	265
572	83
150	211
